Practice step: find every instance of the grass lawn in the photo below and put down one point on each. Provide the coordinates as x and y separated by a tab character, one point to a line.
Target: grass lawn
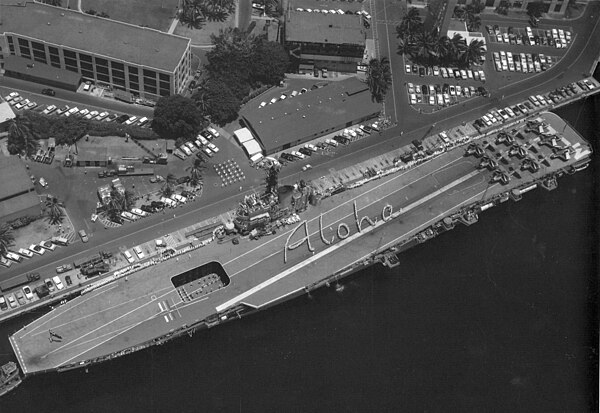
156	14
202	36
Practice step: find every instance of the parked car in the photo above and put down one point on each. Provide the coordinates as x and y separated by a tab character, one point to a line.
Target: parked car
68	280
72	111
139	252
83	235
48	91
49	284
128	256
62	110
58	282
131	120
11	301
49	110
64	268
3	305
20	297
25	252
91	115
37	249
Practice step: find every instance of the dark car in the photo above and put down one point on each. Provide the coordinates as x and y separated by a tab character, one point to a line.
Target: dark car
424	90
421	71
49	92
112	117
68	280
183	180
288	157
305	151
157	204
122	118
341	139
148	208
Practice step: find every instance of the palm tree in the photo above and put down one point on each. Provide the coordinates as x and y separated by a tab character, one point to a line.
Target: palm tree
411	23
406	46
7	237
21	137
424	46
379	78
196	170
171	180
473	53
473	22
459	45
191	13
166	190
272	178
442	48
55	216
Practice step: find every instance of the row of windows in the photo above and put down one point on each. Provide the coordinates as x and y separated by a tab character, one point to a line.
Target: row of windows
154	82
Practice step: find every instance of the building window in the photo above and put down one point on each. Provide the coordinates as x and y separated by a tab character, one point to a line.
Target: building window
103	78
70	62
69	54
149	83
132	70
165	92
149	73
557	8
101	62
87	73
39	56
164	78
23	43
102	69
38	46
55	60
165	85
134	86
150	89
85	57
117	65
119	81
134	78
87	66
25	52
72	68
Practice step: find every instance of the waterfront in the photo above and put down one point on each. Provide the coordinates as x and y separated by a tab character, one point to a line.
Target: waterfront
491	317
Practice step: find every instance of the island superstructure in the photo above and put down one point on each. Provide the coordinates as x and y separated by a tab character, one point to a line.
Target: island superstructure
325	237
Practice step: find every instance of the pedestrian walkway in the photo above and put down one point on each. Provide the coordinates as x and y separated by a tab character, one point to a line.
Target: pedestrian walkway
173	26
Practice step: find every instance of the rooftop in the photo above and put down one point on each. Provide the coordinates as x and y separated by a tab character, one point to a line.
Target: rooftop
324	28
80	31
6	112
15	178
286	121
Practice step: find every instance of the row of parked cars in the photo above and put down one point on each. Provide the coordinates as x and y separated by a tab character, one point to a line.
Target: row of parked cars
343	138
24	295
19	103
201	144
534	102
522	62
442	95
11	257
446	72
558	38
284	96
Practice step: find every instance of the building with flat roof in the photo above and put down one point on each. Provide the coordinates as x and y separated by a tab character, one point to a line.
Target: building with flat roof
331	41
6	115
17	192
305	117
146	62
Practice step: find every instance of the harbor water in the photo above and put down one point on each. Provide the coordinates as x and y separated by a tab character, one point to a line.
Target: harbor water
497	317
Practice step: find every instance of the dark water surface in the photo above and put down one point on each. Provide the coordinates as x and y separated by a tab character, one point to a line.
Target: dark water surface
498	317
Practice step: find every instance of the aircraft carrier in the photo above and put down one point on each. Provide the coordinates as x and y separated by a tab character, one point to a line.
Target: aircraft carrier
320	238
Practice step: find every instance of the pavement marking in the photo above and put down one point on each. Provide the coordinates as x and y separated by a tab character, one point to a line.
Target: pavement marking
97	312
113	320
63	312
341	205
340	244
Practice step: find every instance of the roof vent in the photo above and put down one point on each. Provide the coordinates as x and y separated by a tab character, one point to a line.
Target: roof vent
48	23
62	14
303	116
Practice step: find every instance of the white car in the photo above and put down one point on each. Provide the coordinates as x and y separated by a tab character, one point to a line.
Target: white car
58	282
139	252
91	115
37	249
101	116
49	110
131	120
213	147
331	142
413	99
129	257
139	212
25	253
298	154
27	292
11	301
72	111
11	96
83	112
213	132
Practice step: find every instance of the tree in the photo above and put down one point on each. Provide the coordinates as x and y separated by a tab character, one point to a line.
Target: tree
270	62
7	238
406	46
442	49
458	44
171	180
166	191
215	99
196	169
410	24
53	205
21	137
473	22
425	45
473	53
536	9
191	14
55	216
379	78
272	179
503	7
176	116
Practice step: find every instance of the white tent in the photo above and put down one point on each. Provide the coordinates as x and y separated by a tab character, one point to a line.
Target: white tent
252	147
242	135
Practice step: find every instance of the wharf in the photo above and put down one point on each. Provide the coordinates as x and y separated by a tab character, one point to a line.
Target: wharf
148	307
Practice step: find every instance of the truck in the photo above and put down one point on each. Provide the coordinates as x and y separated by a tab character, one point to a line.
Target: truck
19	280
